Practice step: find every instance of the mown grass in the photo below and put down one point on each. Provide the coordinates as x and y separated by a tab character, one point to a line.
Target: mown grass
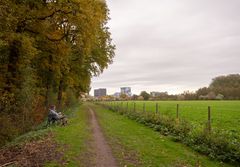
225	115
73	137
150	147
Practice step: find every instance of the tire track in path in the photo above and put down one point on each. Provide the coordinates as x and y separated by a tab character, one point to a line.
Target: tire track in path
104	156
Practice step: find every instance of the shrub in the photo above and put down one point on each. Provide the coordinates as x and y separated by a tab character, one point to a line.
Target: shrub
8	130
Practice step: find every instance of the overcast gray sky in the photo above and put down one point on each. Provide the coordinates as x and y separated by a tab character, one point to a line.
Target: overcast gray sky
171	45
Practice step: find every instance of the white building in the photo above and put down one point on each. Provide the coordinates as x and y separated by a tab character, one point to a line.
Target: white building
126	90
117	94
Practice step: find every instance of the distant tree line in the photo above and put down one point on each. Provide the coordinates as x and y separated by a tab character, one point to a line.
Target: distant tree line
221	88
49	50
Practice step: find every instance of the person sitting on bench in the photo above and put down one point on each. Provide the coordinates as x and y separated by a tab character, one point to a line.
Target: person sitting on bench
53	116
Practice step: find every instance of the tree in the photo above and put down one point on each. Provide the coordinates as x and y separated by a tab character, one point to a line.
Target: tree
123	96
189	95
134	97
47	50
228	86
145	95
202	91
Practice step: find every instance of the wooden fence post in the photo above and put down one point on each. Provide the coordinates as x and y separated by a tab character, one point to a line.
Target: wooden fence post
156	107
134	107
177	111
209	120
144	107
127	107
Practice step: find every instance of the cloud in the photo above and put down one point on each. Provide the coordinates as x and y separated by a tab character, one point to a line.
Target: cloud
171	45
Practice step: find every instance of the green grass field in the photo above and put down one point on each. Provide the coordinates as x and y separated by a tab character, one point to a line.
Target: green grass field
132	143
73	137
144	147
225	115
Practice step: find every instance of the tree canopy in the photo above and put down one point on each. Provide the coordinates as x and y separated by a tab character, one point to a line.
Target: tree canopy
49	50
228	86
145	95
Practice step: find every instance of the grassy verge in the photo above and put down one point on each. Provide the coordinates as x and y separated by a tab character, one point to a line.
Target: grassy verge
220	145
70	139
150	148
73	137
40	131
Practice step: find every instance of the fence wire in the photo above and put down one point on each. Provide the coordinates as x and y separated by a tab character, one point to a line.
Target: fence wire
223	115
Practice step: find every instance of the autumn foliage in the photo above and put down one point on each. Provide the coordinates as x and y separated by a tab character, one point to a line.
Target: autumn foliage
49	50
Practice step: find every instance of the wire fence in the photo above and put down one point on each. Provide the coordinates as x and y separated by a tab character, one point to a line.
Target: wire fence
220	116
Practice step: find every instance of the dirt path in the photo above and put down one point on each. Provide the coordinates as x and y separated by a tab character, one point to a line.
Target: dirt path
104	157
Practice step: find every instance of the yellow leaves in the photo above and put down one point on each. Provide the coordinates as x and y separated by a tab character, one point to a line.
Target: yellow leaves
52	48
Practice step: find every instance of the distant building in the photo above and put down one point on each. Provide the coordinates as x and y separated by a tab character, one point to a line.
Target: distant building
117	94
100	92
126	91
154	94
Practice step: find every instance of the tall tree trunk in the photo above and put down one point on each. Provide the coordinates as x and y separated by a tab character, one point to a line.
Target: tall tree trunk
49	82
60	91
47	95
11	81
